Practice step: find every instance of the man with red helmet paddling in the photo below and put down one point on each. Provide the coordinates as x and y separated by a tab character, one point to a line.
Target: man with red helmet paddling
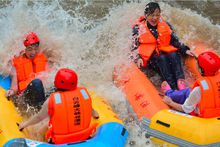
69	110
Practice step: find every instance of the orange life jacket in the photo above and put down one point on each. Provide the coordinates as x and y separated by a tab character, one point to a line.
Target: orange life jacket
26	69
209	105
148	43
70	116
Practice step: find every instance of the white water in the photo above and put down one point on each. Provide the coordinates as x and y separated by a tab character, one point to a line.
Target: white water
92	47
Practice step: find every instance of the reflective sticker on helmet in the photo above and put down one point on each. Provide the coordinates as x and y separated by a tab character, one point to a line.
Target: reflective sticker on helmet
204	85
57	98
84	93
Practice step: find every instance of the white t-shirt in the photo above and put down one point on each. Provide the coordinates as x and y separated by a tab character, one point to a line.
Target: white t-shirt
192	101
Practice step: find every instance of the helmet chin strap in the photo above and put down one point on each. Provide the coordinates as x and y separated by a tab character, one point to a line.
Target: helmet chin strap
202	71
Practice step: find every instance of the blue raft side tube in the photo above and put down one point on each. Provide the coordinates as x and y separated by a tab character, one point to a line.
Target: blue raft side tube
111	134
5	82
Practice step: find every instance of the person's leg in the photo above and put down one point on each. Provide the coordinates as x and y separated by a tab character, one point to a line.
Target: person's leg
34	94
178	96
181	84
176	66
165	70
165	87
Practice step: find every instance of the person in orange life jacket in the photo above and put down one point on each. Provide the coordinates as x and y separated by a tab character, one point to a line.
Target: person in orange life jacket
69	110
203	100
157	45
26	72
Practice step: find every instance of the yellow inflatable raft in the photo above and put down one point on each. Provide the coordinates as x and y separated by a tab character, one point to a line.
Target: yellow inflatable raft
163	125
108	119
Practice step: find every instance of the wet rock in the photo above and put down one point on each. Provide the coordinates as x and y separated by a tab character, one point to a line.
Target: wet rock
132	142
147	142
147	135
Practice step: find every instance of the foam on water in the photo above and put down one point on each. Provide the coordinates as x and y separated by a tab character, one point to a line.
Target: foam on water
92	47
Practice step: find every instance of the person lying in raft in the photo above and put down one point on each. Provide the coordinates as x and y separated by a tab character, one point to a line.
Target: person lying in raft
158	46
69	110
27	71
203	100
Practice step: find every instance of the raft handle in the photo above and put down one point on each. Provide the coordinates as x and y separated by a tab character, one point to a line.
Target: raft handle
76	142
163	123
123	131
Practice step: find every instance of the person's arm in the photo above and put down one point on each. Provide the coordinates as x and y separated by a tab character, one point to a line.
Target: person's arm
172	104
192	101
48	69
134	55
43	113
183	49
43	74
135	42
14	84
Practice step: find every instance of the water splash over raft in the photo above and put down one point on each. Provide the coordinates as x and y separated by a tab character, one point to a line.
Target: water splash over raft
92	42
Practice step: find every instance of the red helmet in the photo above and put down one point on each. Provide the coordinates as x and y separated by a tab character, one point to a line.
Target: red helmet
30	39
209	62
66	79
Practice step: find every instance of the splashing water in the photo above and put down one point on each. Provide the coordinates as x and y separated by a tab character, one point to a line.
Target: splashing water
74	37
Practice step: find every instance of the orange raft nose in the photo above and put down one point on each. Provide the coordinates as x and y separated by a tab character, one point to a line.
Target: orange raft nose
140	92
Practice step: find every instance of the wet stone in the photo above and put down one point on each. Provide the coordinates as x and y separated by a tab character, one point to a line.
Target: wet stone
132	142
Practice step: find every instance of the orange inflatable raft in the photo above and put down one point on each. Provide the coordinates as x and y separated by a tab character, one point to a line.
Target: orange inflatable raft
164	125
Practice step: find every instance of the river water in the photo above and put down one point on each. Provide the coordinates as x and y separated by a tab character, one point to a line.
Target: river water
92	36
